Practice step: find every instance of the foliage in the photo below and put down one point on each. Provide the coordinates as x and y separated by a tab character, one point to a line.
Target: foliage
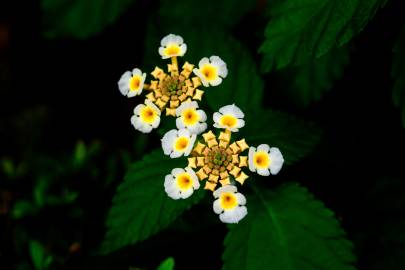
287	229
303	30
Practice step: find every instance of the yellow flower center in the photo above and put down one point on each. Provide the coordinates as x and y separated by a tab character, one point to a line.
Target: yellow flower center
184	181
261	160
135	83
190	116
209	72
228	120
228	201
181	144
172	50
148	115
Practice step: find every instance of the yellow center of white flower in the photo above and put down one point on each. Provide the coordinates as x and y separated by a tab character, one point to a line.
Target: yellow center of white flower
228	120
261	160
190	116
228	201
172	50
209	72
181	143
148	115
135	83
184	181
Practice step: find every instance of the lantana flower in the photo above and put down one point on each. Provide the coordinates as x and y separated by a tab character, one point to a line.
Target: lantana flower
265	160
146	117
229	204
131	83
176	143
181	183
168	91
229	117
221	161
190	118
211	71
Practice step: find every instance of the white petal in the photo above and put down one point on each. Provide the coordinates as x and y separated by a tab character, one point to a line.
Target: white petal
168	140
183	49
203	61
136	71
232	109
177	171
161	51
277	160
264	148
187	193
217	207
234	215
190	145
252	151
153	106
176	154
196	183
156	123
240	123
217	116
138	108
179	123
215	82
203	116
241	198
227	188
263	172
198	73
168	180
123	83
184	132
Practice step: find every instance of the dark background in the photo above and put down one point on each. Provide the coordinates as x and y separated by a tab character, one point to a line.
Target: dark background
56	92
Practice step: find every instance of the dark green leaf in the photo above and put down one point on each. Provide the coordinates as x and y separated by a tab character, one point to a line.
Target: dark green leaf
80	18
23	208
243	86
38	255
307	83
167	264
187	12
287	230
301	30
140	206
398	74
295	137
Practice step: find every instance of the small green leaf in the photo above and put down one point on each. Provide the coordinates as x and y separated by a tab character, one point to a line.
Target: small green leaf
80	18
141	207
80	154
23	208
8	167
295	137
308	82
287	229
167	264
39	257
301	30
398	75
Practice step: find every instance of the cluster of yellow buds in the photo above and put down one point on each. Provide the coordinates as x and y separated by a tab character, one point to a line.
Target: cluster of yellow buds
169	91
219	161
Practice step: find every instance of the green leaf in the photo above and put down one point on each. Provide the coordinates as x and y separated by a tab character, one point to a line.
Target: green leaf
398	75
167	264
141	207
300	30
38	255
287	230
243	85
80	18
188	13
308	83
295	138
23	208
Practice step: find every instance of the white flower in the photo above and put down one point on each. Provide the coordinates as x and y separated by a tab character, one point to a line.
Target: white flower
180	184
190	118
146	117
229	204
172	45
176	143
212	71
265	160
229	117
131	84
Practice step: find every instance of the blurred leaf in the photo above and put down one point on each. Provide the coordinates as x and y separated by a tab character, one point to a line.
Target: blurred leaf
39	192
295	137
243	86
141	207
167	264
300	30
398	74
66	198
80	153
287	229
307	83
187	12
8	168
23	208
80	18
38	255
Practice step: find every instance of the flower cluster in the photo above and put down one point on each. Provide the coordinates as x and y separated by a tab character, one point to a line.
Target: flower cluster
175	92
217	159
